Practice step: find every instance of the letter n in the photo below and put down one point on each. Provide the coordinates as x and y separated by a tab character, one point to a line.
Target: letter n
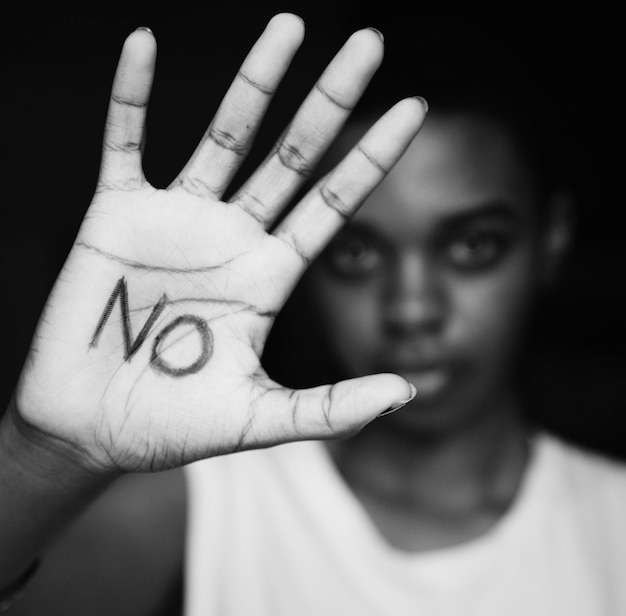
120	292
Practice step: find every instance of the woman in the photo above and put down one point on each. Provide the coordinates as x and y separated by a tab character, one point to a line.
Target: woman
147	358
458	503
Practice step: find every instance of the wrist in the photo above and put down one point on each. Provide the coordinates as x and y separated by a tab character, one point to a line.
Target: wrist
44	457
43	486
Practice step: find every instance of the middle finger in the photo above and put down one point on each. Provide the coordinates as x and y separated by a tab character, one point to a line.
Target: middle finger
313	128
230	134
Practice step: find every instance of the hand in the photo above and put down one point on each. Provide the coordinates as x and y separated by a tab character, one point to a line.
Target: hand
147	352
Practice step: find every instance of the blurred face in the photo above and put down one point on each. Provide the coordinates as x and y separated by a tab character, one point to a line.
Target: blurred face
432	278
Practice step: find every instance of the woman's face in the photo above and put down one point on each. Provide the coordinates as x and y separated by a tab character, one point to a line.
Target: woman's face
432	277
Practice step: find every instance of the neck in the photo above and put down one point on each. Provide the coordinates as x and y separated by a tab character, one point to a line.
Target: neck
467	470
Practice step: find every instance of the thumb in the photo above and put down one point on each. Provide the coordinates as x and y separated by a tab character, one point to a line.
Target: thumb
330	411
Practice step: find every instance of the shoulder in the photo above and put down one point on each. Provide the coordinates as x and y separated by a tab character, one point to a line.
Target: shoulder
591	478
583	462
292	457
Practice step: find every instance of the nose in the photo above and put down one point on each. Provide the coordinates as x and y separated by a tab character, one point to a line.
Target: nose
414	296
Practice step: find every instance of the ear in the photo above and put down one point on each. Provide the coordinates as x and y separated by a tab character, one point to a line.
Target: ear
557	236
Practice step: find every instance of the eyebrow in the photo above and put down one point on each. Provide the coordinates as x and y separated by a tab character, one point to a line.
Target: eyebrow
458	218
498	210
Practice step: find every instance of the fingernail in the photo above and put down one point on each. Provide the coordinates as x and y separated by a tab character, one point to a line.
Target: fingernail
398	405
424	102
378	32
144	28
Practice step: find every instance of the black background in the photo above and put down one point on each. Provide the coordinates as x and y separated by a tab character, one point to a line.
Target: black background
57	67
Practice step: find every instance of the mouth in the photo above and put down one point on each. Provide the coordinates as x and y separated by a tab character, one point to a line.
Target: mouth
429	383
431	379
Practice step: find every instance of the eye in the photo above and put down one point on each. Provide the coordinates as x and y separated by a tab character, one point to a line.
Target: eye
353	256
478	249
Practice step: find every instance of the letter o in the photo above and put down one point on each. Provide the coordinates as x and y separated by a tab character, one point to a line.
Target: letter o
206	339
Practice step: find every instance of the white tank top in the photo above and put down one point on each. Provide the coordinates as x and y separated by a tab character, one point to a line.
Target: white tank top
276	532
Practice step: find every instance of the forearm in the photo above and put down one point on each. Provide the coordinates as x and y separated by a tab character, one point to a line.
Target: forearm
42	487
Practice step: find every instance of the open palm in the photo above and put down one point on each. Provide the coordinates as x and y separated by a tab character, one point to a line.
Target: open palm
147	352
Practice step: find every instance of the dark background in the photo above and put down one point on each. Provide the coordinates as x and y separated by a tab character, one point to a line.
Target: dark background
57	67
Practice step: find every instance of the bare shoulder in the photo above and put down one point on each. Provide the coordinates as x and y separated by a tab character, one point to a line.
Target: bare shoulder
122	556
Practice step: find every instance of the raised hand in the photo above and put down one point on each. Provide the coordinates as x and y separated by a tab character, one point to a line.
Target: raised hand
147	352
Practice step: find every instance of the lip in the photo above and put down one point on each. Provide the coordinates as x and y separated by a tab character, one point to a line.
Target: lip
431	378
429	383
